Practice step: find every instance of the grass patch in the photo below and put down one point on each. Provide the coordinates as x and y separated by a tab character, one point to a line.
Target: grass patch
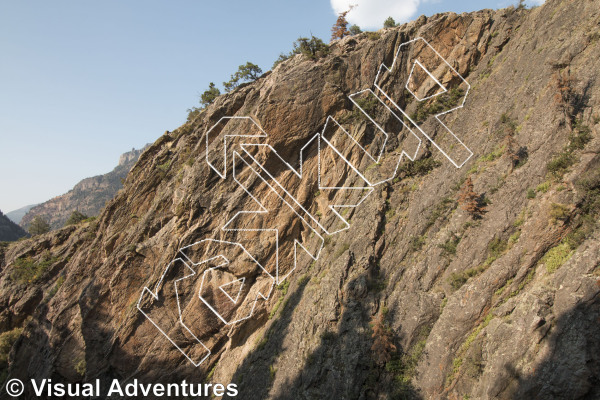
439	210
520	219
543	187
496	248
164	167
449	247
458	361
283	287
272	372
57	286
275	308
458	279
503	288
557	256
417	242
341	250
514	238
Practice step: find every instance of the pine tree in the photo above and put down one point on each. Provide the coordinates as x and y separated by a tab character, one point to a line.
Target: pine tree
469	200
209	96
340	28
355	30
245	73
512	150
312	48
389	23
382	347
38	226
565	96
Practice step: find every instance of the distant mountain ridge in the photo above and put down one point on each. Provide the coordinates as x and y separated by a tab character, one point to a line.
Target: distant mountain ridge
9	231
88	196
17	215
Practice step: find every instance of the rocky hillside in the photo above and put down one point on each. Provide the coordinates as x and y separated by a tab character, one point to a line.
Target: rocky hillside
9	231
478	282
88	196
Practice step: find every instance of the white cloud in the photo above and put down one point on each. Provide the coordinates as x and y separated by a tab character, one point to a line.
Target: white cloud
370	14
536	2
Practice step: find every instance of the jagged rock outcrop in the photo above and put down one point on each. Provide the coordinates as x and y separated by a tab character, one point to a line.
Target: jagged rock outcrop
9	231
88	196
499	303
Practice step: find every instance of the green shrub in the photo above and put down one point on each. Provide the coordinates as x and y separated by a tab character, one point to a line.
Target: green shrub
417	242
589	185
27	270
7	340
440	103
543	187
559	165
404	365
341	250
373	35
419	167
559	212
458	279
75	218
164	167
582	136
80	367
531	194
496	247
367	104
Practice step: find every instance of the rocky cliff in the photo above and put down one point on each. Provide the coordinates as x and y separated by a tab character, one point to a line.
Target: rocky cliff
88	196
471	282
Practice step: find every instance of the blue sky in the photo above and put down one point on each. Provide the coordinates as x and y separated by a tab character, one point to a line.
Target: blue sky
83	81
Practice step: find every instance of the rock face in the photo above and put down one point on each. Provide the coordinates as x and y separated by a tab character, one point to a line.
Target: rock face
88	196
9	231
423	296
